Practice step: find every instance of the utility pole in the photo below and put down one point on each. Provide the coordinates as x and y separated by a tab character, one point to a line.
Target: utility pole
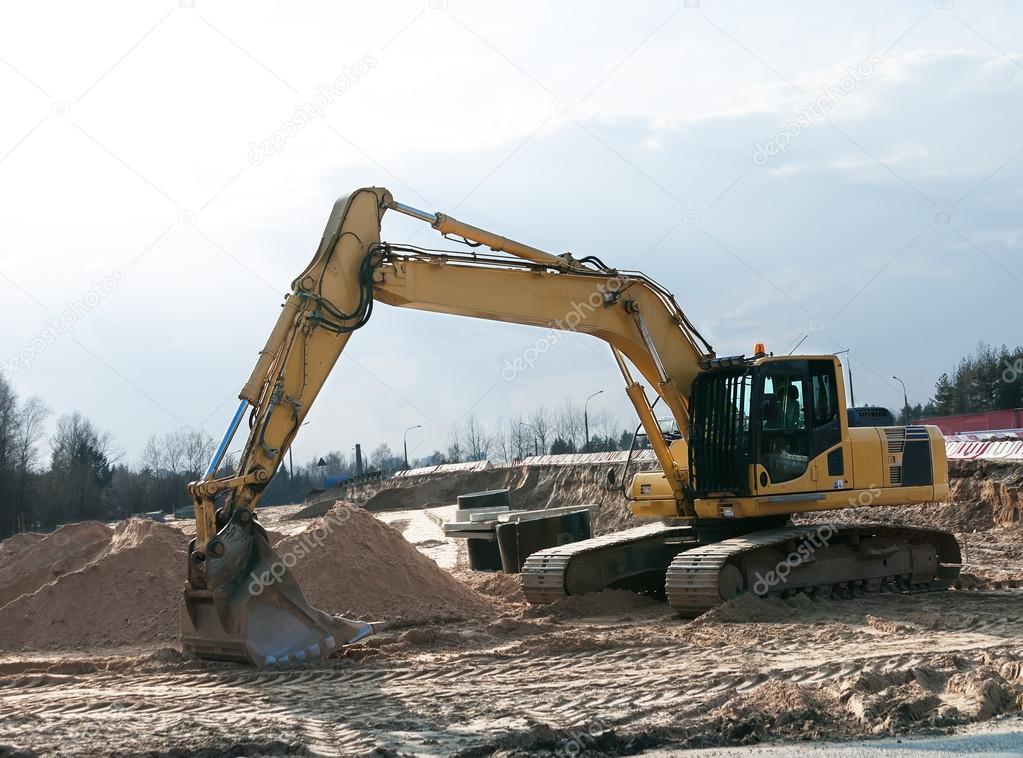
291	462
404	442
586	420
848	366
905	399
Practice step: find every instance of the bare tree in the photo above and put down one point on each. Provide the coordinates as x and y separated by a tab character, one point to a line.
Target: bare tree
456	451
151	456
382	459
520	439
197	449
174	451
476	439
79	468
31	427
541	420
503	440
604	424
569	426
9	423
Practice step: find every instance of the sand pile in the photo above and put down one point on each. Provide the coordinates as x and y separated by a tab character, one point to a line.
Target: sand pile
505	588
11	548
89	585
28	561
112	587
351	563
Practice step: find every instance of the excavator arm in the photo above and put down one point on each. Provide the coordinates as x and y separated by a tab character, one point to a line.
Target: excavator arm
330	299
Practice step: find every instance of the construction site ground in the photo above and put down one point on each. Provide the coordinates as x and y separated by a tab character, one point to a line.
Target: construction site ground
468	668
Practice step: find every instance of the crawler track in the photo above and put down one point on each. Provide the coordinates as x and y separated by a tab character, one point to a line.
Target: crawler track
633	558
826	560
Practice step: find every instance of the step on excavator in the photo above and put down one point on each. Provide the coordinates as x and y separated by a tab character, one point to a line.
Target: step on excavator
756	440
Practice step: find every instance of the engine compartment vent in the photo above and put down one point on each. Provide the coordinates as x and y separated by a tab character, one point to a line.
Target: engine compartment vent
895	474
896	440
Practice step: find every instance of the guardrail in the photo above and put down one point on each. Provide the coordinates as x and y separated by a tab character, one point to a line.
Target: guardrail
568	459
580	459
1008	450
444	468
994	435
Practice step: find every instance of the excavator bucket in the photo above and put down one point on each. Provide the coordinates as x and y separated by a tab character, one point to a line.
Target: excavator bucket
242	603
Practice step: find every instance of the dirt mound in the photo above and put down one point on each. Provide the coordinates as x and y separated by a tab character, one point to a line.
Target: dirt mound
14	546
126	592
531	487
778	708
314	510
350	562
983	495
31	560
88	585
998	485
504	587
443	488
749	609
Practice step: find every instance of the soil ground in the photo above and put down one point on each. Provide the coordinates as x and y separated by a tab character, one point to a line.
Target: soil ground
605	674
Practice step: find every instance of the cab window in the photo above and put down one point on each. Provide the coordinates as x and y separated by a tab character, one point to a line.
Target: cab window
783	402
824	390
784	448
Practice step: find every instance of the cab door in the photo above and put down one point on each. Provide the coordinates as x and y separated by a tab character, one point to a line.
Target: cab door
828	452
784	442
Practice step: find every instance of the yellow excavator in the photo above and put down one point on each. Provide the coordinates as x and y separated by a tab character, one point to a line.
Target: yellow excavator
756	440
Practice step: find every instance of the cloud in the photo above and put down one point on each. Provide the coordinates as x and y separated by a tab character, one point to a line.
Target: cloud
630	137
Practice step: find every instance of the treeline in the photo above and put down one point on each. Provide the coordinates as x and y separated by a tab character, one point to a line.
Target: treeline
988	380
991	379
77	472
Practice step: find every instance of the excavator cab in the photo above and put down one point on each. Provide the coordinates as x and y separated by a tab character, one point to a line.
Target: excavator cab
757	424
772	435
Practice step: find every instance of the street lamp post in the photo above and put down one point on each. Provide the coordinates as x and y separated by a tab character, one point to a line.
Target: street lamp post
905	399
404	442
536	443
586	419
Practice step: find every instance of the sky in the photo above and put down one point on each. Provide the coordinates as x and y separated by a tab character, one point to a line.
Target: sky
845	174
